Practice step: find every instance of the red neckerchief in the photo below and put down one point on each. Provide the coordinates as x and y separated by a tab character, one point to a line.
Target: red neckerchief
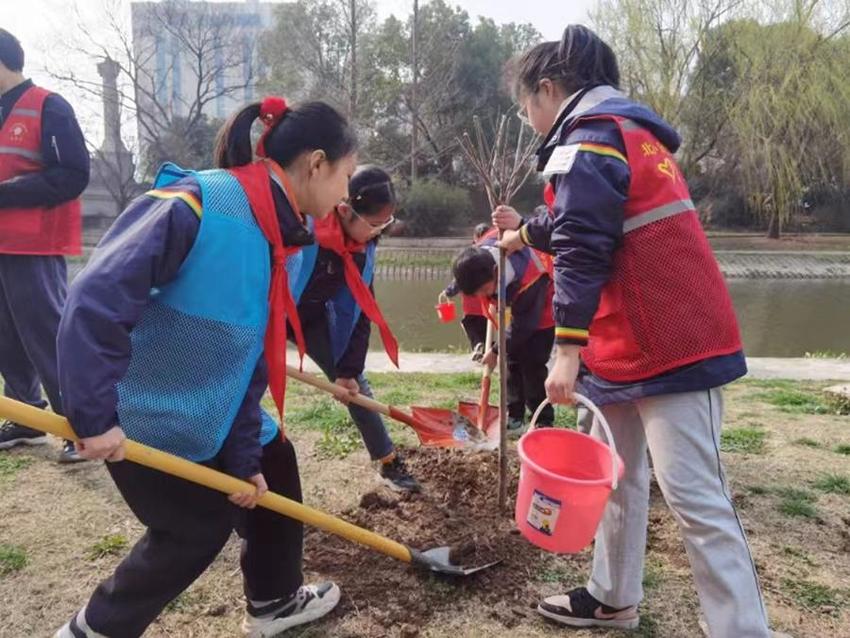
330	235
255	181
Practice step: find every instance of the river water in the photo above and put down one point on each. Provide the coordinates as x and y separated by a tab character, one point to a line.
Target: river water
778	317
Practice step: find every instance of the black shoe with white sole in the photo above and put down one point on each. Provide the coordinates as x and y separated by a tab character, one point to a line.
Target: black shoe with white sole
578	608
397	477
12	434
309	603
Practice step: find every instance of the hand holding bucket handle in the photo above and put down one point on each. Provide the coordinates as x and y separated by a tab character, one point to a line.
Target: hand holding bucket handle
598	417
445	308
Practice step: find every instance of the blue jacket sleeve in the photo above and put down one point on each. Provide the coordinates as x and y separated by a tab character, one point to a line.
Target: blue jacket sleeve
536	231
587	226
144	249
353	360
241	453
66	172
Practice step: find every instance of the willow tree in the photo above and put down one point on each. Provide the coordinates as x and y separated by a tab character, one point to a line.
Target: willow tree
786	110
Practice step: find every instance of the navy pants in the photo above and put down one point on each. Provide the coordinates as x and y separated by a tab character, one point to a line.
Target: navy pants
32	295
371	425
527	374
187	526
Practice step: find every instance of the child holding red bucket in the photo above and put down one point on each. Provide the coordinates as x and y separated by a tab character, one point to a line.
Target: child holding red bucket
531	328
474	321
641	303
171	335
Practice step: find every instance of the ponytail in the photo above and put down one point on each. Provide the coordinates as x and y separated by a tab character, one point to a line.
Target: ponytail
233	145
292	132
580	60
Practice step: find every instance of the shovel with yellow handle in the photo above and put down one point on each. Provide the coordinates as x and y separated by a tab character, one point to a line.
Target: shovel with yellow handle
435	560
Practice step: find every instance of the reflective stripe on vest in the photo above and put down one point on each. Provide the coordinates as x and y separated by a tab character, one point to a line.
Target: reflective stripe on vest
14	150
24	112
657	214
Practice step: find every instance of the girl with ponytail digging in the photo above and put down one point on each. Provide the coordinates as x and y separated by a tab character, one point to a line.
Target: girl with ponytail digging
171	335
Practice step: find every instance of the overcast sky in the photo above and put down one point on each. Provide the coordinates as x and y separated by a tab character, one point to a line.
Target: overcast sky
42	24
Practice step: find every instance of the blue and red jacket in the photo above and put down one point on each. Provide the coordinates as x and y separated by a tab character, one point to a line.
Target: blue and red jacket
153	237
590	170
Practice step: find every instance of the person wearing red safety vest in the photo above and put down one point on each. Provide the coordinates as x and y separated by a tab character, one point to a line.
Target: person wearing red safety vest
645	328
530	327
44	167
474	321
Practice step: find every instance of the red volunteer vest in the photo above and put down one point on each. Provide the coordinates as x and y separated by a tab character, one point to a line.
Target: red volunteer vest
54	230
539	265
666	304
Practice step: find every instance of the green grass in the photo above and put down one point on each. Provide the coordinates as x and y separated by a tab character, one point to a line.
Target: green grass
807	442
12	464
557	574
796	401
814	596
184	602
758	490
108	546
648	627
833	484
653	574
843	448
826	354
797	503
745	440
797	555
12	559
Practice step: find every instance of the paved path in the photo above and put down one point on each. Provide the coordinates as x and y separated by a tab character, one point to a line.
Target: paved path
760	367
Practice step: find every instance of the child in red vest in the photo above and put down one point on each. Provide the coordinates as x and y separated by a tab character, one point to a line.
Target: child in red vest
645	328
530	331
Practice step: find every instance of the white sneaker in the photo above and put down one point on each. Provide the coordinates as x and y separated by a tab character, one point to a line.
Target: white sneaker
309	603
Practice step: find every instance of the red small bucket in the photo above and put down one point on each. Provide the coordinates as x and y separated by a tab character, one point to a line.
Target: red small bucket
445	309
565	480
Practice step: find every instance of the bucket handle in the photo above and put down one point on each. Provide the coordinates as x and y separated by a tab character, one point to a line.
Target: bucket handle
442	297
599	418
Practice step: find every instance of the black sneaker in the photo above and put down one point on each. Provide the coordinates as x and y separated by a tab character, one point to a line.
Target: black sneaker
577	608
12	434
309	603
478	352
69	453
396	476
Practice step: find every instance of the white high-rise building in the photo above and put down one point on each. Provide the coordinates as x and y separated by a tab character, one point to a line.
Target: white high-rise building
196	56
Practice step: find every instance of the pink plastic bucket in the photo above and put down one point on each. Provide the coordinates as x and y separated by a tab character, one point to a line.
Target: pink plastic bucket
565	480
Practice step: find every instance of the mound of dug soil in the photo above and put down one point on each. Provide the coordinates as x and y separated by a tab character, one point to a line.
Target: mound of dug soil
458	508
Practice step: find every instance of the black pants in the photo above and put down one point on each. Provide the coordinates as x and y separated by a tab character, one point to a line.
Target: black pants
475	327
187	526
527	377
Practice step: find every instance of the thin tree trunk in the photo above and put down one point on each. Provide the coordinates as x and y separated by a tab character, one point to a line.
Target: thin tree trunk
774	228
352	104
414	104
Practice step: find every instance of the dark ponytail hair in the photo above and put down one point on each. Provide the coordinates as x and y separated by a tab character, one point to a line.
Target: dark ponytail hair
580	60
304	128
371	190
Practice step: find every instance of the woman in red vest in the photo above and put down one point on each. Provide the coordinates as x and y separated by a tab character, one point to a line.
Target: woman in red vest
644	326
44	167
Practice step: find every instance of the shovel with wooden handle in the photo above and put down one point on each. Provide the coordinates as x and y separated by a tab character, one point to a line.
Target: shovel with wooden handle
435	560
434	426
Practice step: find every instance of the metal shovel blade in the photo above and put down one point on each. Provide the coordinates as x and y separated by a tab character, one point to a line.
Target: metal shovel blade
438	560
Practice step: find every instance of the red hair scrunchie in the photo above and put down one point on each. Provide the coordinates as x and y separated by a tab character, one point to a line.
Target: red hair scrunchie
272	110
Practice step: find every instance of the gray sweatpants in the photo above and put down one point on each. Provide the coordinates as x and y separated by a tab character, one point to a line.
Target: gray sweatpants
682	432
